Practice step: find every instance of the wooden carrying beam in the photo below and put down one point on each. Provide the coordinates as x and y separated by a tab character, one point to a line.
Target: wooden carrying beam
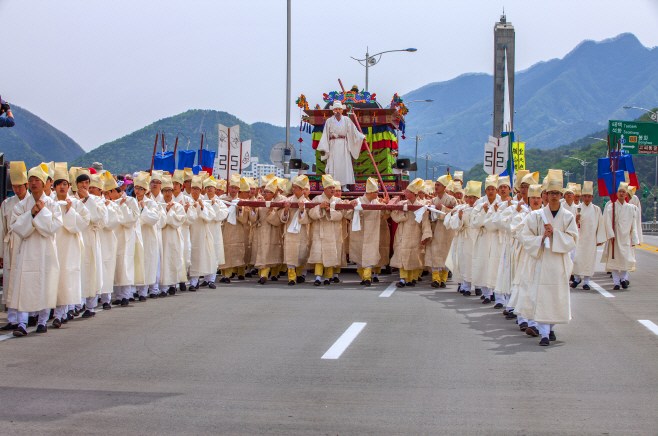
338	206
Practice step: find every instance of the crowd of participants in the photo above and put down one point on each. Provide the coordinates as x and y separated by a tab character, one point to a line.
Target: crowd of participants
77	238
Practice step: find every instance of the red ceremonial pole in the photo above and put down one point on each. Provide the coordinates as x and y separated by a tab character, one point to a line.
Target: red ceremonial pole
154	148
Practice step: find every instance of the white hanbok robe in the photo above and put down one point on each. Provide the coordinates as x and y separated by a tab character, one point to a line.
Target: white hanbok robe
482	243
625	236
92	260
149	219
519	259
548	269
129	245
109	245
35	269
204	261
172	264
339	151
183	198
70	248
221	213
590	234
463	245
503	221
10	244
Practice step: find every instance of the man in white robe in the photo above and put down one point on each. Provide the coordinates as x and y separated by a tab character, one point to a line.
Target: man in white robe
129	264
180	180
549	235
221	213
465	235
35	272
108	238
149	218
203	260
341	142
172	261
591	233
482	243
10	240
622	237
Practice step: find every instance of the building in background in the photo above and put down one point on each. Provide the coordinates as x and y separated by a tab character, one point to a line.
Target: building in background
503	52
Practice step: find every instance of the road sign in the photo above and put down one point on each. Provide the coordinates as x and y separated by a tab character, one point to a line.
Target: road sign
635	137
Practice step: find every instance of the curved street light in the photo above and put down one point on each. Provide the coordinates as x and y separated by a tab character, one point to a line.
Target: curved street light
370	60
584	163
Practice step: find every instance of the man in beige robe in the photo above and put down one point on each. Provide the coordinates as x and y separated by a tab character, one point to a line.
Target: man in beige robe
623	236
296	234
233	232
591	233
437	250
411	236
326	239
35	270
267	235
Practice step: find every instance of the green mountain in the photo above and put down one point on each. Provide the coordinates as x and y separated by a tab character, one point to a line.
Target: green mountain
556	102
133	152
588	150
34	141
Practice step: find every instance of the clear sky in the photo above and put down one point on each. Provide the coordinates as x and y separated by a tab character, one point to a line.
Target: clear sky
98	70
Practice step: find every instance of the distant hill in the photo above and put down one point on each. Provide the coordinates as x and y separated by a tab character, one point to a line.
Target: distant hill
557	101
34	141
133	152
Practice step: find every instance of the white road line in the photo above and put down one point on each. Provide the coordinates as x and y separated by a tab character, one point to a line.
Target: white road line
344	341
601	290
648	324
389	291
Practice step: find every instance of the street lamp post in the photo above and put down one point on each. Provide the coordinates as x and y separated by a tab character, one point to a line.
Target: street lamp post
568	174
654	117
436	168
370	60
584	163
427	158
419	138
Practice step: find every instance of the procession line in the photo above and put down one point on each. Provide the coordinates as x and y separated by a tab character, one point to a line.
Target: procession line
648	324
389	291
344	341
601	290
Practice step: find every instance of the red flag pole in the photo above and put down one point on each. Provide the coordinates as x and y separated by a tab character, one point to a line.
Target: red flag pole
613	197
154	148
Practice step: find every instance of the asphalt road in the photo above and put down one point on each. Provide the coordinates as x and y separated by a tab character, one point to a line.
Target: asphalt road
247	359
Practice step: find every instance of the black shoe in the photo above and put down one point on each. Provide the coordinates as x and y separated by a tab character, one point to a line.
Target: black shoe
412	283
262	280
69	317
420	279
586	287
125	302
282	273
336	280
20	331
274	278
107	306
240	277
225	280
551	336
182	287
135	295
76	312
425	273
523	326
172	290
574	285
57	323
142	298
506	312
327	282
212	285
88	314
116	302
532	331
498	306
510	316
478	292
400	284
435	284
84	307
151	296
193	288
624	284
486	300
301	279
162	294
375	279
9	326
466	293
203	284
317	283
363	282
131	299
627	282
292	283
572	278
367	283
616	288
545	342
442	285
233	275
248	275
32	321
41	328
449	274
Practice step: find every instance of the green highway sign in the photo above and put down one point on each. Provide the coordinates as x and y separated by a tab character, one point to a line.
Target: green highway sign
636	137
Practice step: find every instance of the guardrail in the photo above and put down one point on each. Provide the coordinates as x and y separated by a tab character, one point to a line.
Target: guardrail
649	227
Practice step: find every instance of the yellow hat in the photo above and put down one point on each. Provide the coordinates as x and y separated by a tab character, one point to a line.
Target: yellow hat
82	171
142	180
49	169
73	174
451	186
210	181
266	178
458	175
327	181
444	180
234	180
502	181
95	181
253	183
61	171
372	185
623	186
570	188
337	184
39	173
108	181
244	185
530	179
534	191
167	182
221	184
281	182
416	186
286	188
520	174
17	172
588	188
156	175
204	175
188	174
179	176
491	180
457	186
555	181
473	189
197	181
632	190
544	183
301	181
272	185
576	189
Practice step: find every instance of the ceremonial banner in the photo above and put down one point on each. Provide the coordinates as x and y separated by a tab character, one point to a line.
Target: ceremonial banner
518	153
245	155
228	152
496	154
